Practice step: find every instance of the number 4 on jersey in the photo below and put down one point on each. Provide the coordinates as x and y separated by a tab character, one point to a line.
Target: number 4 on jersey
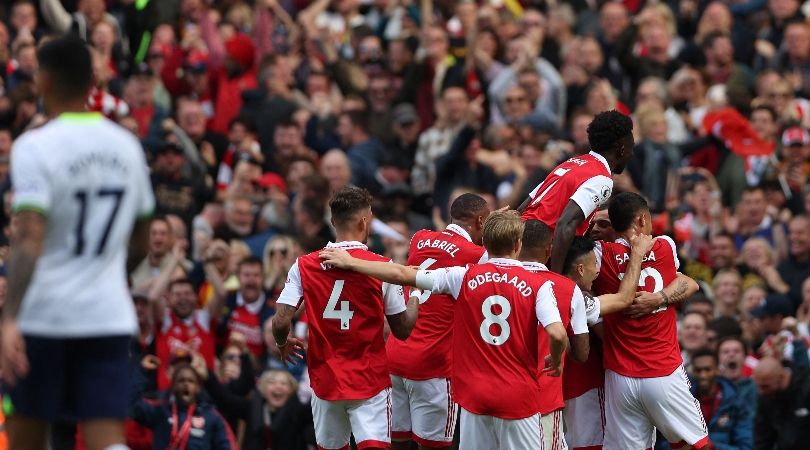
344	314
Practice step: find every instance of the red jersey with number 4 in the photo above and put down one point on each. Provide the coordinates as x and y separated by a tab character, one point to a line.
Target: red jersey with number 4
426	352
495	363
646	347
585	179
551	395
346	311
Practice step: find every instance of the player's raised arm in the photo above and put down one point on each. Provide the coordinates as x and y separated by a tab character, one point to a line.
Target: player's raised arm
640	245
565	231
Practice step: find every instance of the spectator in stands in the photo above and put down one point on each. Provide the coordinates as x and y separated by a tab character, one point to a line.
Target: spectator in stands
728	418
733	359
177	415
727	289
784	395
692	335
247	309
278	256
796	268
160	245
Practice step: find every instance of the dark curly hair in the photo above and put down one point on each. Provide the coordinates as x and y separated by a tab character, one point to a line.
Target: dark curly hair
607	130
347	202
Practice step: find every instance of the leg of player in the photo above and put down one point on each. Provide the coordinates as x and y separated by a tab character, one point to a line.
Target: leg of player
478	432
332	426
26	433
371	421
627	426
103	434
401	429
552	426
585	420
433	412
674	411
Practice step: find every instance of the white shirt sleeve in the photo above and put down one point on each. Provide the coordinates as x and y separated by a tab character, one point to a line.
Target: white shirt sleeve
597	250
593	309
579	323
674	250
442	281
393	298
293	292
545	305
29	176
593	193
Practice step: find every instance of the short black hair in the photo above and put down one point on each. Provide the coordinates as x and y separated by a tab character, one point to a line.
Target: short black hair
246	121
696	299
467	206
68	63
536	234
711	38
725	327
738	339
607	130
624	208
703	352
180	282
580	246
250	261
287	122
357	118
347	202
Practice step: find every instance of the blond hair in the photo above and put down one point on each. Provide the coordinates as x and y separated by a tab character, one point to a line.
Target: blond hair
502	230
264	380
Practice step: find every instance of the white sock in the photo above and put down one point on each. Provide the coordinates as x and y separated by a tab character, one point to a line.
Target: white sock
117	447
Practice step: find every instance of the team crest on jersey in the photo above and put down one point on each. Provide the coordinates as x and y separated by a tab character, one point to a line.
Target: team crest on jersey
605	192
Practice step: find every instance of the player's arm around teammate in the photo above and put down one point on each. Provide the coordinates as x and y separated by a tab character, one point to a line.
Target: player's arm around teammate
646	302
422	279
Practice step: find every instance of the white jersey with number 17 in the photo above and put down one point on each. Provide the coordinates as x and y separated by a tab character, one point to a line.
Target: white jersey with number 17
89	177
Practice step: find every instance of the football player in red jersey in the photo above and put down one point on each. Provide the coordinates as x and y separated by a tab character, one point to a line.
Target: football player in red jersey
495	341
646	386
423	406
568	197
346	311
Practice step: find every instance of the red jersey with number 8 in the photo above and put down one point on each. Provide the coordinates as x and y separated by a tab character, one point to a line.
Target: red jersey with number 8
346	354
426	353
495	361
585	179
646	347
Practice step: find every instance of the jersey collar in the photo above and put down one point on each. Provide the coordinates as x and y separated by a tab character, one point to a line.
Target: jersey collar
453	228
601	159
252	308
534	266
505	262
347	245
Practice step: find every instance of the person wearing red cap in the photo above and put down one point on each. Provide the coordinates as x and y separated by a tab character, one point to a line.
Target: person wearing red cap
795	168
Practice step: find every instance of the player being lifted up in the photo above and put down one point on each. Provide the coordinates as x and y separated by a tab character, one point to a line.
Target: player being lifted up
81	184
423	407
646	386
346	357
494	334
568	197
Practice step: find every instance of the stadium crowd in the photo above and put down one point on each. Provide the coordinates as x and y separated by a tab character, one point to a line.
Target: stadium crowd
254	113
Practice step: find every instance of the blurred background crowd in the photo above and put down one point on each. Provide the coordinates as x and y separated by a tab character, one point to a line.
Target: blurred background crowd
252	112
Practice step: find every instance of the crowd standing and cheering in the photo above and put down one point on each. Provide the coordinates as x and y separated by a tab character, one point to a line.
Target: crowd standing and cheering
296	148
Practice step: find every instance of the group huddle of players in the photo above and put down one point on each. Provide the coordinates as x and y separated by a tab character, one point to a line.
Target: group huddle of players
493	331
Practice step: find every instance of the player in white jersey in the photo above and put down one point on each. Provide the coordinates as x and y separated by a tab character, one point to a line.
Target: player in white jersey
81	184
